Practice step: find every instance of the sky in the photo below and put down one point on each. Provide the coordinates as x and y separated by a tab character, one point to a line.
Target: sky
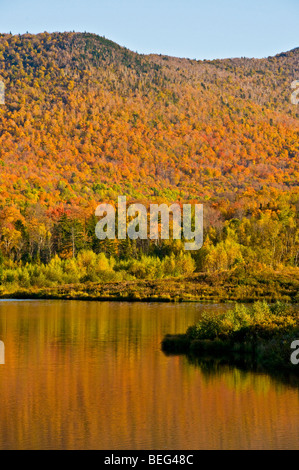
197	29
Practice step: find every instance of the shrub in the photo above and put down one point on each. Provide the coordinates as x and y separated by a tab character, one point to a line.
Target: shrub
259	321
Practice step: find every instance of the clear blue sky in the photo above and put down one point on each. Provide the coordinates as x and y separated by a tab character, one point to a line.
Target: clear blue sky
201	29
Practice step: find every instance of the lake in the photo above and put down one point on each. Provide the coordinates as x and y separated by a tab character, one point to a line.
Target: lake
91	375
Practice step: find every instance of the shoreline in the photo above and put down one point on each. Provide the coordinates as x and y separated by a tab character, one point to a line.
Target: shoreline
205	288
207	352
261	335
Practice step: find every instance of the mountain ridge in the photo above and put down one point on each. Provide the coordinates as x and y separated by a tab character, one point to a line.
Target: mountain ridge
86	119
115	44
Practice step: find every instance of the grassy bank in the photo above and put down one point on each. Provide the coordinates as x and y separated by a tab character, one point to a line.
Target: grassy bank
262	334
220	287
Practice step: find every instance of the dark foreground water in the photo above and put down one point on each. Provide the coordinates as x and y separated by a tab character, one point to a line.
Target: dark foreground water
91	375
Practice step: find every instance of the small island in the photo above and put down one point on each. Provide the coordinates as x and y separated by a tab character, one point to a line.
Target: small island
262	333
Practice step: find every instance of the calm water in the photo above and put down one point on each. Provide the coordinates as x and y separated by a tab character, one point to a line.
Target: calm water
91	375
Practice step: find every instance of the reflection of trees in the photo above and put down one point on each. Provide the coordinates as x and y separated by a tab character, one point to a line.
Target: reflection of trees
242	367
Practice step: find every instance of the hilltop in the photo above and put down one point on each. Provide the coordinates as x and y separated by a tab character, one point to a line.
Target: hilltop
86	120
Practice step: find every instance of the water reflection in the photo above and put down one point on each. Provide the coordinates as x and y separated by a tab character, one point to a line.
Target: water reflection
91	375
211	365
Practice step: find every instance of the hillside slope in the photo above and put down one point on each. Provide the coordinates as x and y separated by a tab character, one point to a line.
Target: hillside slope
86	120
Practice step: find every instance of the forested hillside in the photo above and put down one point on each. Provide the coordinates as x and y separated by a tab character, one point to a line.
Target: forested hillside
86	120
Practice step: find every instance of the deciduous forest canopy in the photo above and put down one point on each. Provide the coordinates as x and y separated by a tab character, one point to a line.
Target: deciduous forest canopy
86	120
